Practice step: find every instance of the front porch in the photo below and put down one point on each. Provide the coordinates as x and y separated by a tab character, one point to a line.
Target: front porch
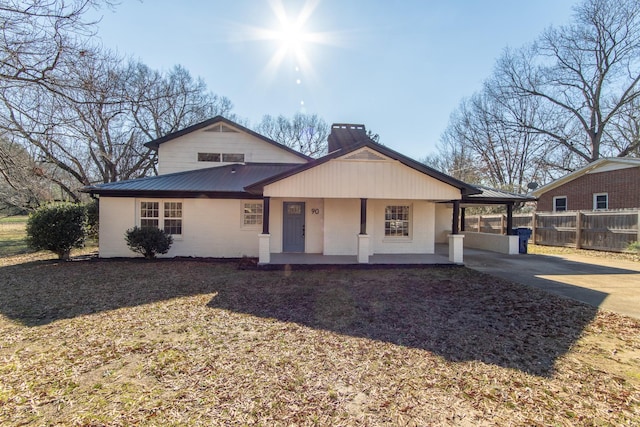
439	258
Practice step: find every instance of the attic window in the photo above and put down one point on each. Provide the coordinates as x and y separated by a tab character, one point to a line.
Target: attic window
220	128
208	157
233	157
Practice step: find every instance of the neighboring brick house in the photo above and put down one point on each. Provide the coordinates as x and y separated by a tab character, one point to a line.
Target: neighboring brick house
608	183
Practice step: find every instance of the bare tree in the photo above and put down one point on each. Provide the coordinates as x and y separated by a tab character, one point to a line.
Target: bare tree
95	130
38	35
23	186
584	76
304	133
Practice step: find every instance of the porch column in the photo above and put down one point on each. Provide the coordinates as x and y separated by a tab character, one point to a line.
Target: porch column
363	216
264	239
462	218
264	249
265	214
363	238
455	238
509	219
456	248
455	225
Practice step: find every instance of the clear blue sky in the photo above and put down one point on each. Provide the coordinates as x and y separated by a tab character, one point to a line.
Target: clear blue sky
399	67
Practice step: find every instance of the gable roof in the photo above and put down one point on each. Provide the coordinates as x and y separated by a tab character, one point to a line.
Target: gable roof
216	182
155	144
465	189
622	161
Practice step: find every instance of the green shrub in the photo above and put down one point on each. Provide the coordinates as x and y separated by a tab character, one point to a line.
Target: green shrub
634	247
148	241
93	218
57	228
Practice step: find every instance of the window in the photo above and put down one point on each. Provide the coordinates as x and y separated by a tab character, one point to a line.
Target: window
396	221
560	204
149	214
208	157
173	217
600	201
170	216
224	157
251	213
233	157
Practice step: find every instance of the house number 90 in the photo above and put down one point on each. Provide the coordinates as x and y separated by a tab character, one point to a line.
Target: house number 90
315	211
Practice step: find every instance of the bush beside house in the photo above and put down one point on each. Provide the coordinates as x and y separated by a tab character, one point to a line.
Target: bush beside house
57	228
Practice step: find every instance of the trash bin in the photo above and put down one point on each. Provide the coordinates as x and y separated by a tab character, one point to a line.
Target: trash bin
524	234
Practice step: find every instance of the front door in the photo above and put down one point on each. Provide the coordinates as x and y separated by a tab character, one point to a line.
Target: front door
293	227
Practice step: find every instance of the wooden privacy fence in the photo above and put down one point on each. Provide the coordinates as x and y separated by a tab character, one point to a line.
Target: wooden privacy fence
605	231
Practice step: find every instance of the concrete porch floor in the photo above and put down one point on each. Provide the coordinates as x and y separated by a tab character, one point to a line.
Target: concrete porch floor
380	259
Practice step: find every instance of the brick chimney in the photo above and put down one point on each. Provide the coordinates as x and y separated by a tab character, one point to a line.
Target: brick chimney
344	135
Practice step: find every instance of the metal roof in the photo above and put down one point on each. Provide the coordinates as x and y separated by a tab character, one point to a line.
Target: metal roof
229	179
492	196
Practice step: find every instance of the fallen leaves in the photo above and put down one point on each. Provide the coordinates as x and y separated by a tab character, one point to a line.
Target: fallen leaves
198	343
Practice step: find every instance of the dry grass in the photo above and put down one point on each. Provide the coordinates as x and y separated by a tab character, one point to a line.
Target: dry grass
199	343
12	236
561	250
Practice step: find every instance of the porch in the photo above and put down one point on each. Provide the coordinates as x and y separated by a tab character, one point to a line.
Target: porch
438	258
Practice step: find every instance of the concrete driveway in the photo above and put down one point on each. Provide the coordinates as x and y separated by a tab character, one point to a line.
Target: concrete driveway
609	284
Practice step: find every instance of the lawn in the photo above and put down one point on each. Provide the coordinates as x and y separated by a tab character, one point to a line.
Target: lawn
12	236
185	342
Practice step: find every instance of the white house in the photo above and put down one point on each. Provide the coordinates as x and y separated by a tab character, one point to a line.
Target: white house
225	191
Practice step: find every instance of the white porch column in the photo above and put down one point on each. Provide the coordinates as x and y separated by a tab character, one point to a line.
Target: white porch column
264	248
456	248
363	248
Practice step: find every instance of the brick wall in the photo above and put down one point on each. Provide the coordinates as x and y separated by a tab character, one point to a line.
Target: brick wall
622	186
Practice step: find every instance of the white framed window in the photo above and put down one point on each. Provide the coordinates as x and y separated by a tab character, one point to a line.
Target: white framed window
397	220
208	157
162	214
560	203
233	157
600	201
251	213
221	157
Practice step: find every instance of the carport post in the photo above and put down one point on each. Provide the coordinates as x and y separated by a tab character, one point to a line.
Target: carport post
509	219
462	218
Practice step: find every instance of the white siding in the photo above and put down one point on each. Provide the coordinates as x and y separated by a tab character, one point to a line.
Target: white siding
359	178
211	228
181	154
117	215
444	220
421	234
341	226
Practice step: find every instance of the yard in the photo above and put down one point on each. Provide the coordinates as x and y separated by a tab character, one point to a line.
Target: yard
185	342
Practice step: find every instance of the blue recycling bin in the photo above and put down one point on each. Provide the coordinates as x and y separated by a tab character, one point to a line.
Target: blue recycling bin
524	234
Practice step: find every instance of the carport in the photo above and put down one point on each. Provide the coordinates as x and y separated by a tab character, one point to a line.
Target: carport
507	244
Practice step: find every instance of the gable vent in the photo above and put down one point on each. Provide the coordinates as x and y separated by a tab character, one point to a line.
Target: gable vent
220	128
365	155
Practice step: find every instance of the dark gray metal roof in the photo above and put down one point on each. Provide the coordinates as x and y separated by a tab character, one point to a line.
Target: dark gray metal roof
492	195
221	181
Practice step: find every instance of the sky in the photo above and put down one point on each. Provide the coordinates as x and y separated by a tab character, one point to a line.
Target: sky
398	67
